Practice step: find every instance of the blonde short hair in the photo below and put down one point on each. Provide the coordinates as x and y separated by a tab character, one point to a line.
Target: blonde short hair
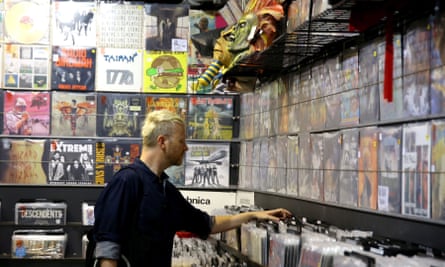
159	122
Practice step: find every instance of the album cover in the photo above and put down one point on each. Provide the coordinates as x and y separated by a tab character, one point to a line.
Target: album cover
40	213
207	165
87	213
248	165
437	170
318	114
73	68
74	23
392	110
22	161
367	168
281	164
210	117
293	82
304	166
348	180
174	103
397	57
165	72
26	66
256	146
273	111
293	16
305	85
271	165
292	165
416	160
350	70
120	24
316	149
437	39
349	108
390	177
26	113
283	110
369	103
333	107
368	64
71	161
167	27
334	70
265	122
294	118
316	81
331	165
38	243
416	94
115	154
437	93
119	115
205	29
246	115
304	121
27	21
416	47
242	165
73	114
119	69
263	164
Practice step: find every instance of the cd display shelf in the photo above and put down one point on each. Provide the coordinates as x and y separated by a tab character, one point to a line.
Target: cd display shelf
318	38
321	36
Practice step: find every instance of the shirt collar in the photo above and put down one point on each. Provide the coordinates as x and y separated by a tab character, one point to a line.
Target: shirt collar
153	177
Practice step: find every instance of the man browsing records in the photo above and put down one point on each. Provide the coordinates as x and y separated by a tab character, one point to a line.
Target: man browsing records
139	211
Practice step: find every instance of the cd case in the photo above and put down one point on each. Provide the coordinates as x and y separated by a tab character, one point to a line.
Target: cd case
87	213
40	213
40	244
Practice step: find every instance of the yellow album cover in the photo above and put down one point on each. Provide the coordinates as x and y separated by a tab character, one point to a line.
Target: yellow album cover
165	72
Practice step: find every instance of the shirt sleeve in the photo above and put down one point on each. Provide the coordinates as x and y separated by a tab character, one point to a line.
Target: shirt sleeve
115	207
195	220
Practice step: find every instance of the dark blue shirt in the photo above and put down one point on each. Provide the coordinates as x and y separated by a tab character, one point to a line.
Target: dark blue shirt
142	212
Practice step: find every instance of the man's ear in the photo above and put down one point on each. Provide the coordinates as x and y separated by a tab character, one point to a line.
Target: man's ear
161	140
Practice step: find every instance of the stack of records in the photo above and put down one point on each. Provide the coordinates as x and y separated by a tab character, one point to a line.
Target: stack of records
42	244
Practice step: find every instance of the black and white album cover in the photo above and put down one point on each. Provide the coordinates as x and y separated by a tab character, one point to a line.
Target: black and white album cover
71	161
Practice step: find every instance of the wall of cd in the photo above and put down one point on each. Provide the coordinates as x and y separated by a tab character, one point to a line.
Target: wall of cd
327	138
75	88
